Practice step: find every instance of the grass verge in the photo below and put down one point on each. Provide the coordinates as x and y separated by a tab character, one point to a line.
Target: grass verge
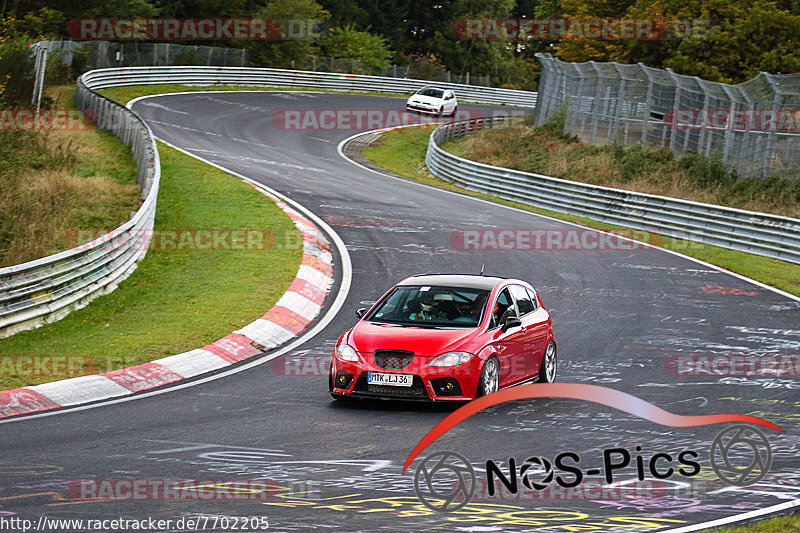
176	300
53	181
546	150
781	524
402	151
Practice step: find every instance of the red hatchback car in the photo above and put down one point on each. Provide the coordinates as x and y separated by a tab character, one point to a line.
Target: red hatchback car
446	337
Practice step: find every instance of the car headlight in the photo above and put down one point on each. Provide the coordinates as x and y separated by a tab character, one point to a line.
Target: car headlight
451	359
345	352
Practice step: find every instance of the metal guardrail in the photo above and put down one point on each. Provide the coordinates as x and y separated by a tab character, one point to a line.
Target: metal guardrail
264	77
757	233
46	289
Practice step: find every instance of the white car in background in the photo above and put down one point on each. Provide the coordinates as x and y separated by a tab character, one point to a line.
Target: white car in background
433	100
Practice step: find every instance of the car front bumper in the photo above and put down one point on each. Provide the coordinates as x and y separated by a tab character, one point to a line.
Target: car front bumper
422	108
454	384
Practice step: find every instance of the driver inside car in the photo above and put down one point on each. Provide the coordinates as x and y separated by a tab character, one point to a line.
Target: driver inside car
429	309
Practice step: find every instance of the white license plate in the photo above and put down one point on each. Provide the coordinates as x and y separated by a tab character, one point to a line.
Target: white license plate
393	380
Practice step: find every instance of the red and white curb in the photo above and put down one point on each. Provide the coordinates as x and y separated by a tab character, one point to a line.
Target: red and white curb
290	315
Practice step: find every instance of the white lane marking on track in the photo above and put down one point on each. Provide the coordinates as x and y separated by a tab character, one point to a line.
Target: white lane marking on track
338	302
190	446
736	518
170	125
463	195
160	106
269	162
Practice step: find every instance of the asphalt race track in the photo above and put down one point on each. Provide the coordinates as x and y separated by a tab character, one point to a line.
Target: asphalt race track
618	316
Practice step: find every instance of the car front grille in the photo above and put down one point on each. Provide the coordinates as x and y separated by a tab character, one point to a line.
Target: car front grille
416	390
393	359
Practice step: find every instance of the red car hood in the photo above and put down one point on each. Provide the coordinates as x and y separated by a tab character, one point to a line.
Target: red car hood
424	342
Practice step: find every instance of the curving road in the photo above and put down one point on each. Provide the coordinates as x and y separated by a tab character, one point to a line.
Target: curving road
619	315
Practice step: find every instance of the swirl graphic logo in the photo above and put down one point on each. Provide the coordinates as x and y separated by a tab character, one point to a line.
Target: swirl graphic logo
454	486
537	463
733	448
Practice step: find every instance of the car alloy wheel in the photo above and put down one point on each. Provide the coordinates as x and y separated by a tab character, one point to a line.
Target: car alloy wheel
547	372
489	377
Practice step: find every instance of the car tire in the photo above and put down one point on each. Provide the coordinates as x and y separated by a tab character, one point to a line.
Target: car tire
441	112
455	110
549	366
490	378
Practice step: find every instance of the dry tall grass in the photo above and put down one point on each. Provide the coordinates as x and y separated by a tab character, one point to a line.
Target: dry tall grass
52	183
545	151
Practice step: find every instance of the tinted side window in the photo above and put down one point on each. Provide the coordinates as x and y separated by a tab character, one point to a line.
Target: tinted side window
503	308
523	299
534	300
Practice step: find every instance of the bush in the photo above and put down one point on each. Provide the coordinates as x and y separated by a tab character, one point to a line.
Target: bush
555	126
426	67
16	72
57	72
371	50
188	56
80	62
705	173
633	160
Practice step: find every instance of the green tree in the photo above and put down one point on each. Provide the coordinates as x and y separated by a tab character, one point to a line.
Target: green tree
287	50
498	59
344	12
346	41
731	40
16	68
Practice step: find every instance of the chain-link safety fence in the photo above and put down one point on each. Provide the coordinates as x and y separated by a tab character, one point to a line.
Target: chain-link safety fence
90	55
105	54
752	127
355	66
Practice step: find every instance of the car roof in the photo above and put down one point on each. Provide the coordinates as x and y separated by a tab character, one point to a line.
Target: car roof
466	281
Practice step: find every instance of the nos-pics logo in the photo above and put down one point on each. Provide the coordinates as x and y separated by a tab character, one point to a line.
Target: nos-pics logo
446	481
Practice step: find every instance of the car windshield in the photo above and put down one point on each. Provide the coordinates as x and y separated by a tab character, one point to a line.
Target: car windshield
427	91
431	306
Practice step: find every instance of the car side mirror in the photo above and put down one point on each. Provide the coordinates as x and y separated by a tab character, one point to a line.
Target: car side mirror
511	322
361	311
